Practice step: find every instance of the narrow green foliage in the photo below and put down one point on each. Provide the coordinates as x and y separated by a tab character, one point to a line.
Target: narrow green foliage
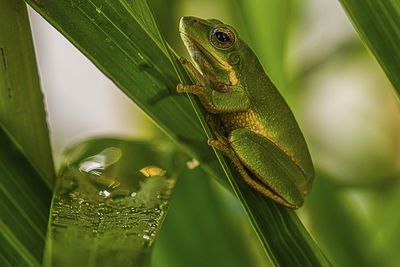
21	100
24	204
378	24
205	231
340	238
26	166
269	41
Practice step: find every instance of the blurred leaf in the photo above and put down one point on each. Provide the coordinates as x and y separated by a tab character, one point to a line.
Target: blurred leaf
121	38
385	242
21	100
25	157
110	203
378	24
24	205
267	24
346	49
340	233
201	229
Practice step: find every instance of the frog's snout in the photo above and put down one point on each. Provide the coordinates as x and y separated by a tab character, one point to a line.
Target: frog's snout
188	21
181	23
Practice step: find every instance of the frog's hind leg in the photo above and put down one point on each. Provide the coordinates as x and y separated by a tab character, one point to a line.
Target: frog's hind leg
272	170
211	122
222	145
254	182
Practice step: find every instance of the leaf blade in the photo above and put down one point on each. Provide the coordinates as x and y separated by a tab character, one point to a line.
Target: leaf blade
110	201
21	100
378	25
25	200
216	226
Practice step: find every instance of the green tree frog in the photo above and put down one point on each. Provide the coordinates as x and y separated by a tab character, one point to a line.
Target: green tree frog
258	132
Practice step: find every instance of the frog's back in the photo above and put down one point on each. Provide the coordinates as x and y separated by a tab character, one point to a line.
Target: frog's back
278	121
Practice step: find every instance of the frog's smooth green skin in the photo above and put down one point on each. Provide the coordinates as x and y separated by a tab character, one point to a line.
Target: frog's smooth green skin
260	136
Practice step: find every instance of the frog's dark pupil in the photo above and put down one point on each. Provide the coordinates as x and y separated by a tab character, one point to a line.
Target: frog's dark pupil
222	37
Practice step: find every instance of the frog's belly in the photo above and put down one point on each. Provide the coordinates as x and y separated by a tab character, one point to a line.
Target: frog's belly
245	119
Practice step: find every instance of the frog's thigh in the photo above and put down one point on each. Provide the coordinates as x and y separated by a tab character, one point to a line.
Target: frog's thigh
268	163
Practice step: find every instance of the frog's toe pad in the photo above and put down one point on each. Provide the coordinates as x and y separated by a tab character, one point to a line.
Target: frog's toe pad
180	88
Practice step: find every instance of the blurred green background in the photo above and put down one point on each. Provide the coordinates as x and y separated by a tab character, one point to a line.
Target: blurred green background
341	98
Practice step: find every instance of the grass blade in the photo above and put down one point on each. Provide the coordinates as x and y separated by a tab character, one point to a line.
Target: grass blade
110	203
26	166
205	231
341	239
378	24
269	38
21	100
24	205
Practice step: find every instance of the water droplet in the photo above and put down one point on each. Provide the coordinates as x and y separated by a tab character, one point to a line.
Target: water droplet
92	165
98	163
192	164
152	171
104	193
146	237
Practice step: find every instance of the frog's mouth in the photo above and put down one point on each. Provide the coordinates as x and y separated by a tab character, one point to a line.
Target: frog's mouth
196	48
194	45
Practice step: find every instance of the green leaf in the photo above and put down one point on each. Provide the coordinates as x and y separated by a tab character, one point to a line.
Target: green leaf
24	204
26	166
110	202
21	100
119	37
378	24
205	231
386	232
269	41
341	239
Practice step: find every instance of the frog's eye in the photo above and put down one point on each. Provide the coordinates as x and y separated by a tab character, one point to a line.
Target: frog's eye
222	37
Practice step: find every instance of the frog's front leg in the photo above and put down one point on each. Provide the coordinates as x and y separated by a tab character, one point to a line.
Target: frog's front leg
197	75
234	100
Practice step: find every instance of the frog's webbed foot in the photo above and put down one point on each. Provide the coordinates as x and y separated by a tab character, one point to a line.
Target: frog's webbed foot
220	142
221	145
213	126
194	89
